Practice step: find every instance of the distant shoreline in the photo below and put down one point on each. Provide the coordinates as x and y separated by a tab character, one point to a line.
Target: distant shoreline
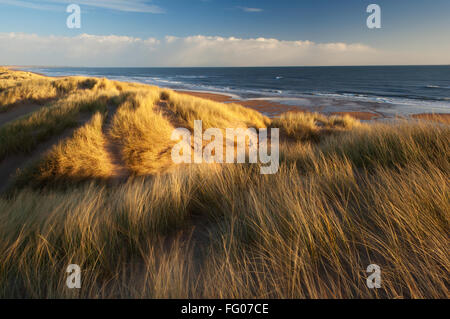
278	108
271	108
275	109
19	69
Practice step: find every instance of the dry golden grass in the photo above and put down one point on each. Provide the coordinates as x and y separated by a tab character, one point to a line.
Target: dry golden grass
25	87
302	126
283	236
24	134
347	195
213	114
143	134
144	124
9	78
41	90
83	156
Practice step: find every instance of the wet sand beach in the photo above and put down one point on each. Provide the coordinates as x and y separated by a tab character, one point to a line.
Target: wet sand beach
274	109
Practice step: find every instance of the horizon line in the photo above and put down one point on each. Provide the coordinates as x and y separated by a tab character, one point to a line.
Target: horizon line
224	67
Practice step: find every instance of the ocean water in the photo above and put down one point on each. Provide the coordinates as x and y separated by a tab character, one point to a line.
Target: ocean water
387	90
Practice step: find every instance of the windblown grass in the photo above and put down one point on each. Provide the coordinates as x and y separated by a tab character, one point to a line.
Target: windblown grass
18	87
42	90
346	195
78	158
369	146
24	134
394	145
143	133
213	114
308	237
9	78
302	126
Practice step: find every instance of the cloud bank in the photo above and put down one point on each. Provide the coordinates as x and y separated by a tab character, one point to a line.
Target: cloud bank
93	50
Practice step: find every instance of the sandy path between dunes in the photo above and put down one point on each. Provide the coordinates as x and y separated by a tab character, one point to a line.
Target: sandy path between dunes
120	171
18	112
10	165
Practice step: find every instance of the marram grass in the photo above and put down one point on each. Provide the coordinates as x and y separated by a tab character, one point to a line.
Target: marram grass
346	195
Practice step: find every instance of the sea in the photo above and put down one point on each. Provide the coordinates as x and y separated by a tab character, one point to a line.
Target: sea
386	90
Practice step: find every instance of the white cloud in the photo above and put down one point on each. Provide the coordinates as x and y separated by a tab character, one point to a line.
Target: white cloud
246	9
119	5
93	50
31	5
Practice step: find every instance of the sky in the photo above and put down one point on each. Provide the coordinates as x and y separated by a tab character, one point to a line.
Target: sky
183	33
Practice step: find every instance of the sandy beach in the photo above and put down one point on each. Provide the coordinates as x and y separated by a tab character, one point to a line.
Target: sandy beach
273	109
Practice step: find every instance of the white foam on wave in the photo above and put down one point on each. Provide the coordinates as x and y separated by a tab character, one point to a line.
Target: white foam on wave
385	100
437	87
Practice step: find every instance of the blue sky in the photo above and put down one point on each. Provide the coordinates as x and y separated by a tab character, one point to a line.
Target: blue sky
409	27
